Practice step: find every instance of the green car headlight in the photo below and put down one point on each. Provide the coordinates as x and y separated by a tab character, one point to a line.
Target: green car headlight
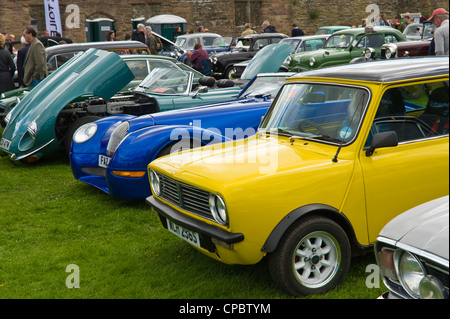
410	272
155	182
218	209
84	133
7	118
29	138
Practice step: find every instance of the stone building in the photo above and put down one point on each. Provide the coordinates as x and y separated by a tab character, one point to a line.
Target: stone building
225	17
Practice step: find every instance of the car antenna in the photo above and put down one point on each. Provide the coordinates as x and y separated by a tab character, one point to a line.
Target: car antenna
343	136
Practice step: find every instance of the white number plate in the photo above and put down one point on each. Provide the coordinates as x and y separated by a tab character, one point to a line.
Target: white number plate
5	144
103	161
186	234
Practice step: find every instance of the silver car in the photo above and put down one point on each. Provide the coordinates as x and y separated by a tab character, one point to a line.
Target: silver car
412	252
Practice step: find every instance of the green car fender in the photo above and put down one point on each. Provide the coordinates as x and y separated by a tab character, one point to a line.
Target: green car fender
31	123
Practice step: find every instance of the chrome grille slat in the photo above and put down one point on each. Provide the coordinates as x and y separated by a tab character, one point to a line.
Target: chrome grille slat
186	196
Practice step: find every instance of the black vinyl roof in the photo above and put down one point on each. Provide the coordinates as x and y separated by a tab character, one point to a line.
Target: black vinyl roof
385	70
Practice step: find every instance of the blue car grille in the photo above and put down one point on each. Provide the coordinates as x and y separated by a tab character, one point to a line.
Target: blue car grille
185	196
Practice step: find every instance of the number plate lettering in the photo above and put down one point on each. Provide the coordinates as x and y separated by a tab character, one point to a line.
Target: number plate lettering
186	234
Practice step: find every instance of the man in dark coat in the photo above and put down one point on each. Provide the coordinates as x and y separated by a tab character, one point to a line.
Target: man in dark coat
296	31
139	34
7	68
267	28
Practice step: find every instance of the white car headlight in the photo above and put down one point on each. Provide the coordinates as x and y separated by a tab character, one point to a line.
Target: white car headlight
431	288
84	133
312	61
155	183
410	272
218	209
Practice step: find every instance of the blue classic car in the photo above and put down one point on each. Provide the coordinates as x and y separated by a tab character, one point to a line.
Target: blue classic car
112	153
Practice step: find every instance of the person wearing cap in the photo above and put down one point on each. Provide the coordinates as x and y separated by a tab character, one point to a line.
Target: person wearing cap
439	18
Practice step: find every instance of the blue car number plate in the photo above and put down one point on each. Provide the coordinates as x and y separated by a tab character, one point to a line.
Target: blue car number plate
186	234
103	161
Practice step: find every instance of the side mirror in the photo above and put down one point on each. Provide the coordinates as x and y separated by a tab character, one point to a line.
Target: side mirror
201	89
384	139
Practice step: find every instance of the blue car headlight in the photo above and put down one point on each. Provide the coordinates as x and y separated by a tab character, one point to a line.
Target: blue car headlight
116	137
84	133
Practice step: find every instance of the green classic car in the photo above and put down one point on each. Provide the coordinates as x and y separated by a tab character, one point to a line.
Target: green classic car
139	64
85	89
343	46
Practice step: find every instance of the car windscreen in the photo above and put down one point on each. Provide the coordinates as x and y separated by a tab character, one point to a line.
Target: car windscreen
166	81
339	41
325	112
264	86
222	42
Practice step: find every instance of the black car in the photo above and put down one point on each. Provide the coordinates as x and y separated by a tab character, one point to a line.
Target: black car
246	47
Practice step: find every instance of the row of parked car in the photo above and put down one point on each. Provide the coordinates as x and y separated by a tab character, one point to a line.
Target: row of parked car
304	169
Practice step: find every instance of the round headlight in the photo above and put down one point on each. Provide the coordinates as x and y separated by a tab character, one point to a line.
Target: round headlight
369	53
312	61
155	183
431	288
84	133
388	54
410	272
218	209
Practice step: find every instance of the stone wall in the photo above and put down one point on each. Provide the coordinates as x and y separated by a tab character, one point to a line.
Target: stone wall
217	16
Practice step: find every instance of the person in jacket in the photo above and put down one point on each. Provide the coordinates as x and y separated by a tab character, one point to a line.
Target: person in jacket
200	60
7	67
268	28
439	18
35	63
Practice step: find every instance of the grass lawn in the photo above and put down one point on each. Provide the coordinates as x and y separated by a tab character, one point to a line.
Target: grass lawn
49	220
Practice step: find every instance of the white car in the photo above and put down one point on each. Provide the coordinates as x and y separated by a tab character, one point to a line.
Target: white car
412	252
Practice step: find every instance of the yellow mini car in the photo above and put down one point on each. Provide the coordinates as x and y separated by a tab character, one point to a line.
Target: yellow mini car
340	152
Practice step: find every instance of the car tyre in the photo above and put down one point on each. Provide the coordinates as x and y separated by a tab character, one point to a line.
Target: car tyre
73	127
312	257
229	74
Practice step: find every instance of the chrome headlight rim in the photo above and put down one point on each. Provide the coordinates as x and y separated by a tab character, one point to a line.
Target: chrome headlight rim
390	53
369	53
32	129
155	182
85	132
7	118
409	277
117	136
218	209
29	138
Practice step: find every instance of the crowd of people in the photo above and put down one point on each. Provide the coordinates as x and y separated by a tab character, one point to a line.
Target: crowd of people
32	66
31	62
